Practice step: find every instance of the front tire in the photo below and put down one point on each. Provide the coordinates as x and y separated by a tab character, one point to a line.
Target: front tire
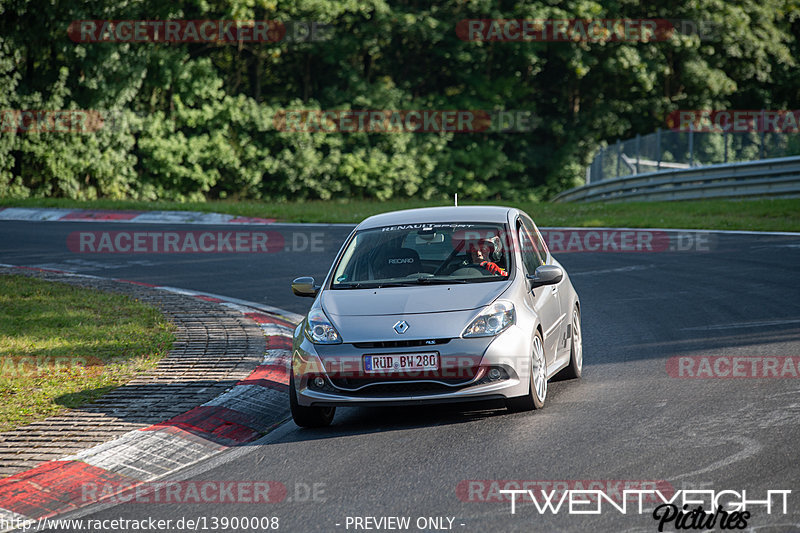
308	417
537	382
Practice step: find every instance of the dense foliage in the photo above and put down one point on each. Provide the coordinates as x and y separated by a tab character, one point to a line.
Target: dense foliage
196	120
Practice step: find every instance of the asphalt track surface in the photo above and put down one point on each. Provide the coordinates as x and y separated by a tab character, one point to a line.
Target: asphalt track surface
627	419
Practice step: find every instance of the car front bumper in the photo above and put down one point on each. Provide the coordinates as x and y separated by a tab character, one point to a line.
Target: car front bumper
463	376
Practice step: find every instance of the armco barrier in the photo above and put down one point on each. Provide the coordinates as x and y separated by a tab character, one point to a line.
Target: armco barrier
767	177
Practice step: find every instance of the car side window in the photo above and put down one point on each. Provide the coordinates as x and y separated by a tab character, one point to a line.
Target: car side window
530	257
542	244
536	245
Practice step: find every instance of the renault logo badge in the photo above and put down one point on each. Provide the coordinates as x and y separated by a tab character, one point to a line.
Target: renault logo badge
401	327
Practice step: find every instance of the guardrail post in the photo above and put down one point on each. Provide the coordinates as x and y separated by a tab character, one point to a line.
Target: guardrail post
600	164
725	142
658	149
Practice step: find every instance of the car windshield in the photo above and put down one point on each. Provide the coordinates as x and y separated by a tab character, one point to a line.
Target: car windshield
417	254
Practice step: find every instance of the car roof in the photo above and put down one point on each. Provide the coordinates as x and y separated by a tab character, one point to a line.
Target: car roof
470	213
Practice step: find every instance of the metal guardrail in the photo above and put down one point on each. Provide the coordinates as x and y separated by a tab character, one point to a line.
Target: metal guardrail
768	177
670	149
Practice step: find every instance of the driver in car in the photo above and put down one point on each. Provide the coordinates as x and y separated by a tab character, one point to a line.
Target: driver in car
483	253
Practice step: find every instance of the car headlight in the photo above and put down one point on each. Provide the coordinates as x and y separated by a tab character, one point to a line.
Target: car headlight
492	320
319	329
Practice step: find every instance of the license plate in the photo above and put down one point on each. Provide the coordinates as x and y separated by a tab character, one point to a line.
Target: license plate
401	362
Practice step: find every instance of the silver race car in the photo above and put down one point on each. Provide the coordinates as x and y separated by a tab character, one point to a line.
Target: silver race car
444	304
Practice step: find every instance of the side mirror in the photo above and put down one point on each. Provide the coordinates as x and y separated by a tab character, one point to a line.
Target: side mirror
546	275
305	287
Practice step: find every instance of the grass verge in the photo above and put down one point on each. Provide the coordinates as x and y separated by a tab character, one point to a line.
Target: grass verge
756	215
63	346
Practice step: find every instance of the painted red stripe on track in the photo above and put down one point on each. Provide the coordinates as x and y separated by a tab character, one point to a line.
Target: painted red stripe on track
263	318
55	487
216	423
216	445
44	270
251	220
143	284
278	342
101	215
270	376
208	298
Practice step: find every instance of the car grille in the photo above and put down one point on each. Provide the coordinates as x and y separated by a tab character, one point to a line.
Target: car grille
375	388
370	386
390	389
400	344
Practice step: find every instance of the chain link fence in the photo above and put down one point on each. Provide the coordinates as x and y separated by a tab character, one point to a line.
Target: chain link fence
669	150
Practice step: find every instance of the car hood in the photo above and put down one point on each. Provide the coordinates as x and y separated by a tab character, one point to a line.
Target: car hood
410	300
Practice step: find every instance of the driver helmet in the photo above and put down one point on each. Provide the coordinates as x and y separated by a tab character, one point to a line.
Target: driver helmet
490	246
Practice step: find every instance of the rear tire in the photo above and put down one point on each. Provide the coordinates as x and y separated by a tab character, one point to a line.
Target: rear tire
308	417
575	367
537	381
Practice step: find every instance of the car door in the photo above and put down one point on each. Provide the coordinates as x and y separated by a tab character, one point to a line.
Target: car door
543	300
561	289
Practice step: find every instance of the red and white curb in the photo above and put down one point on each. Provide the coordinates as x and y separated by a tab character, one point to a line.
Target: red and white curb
139	217
245	412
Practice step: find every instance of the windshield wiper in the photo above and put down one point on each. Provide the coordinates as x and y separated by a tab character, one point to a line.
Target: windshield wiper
485	279
355	285
438	281
365	285
409	283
